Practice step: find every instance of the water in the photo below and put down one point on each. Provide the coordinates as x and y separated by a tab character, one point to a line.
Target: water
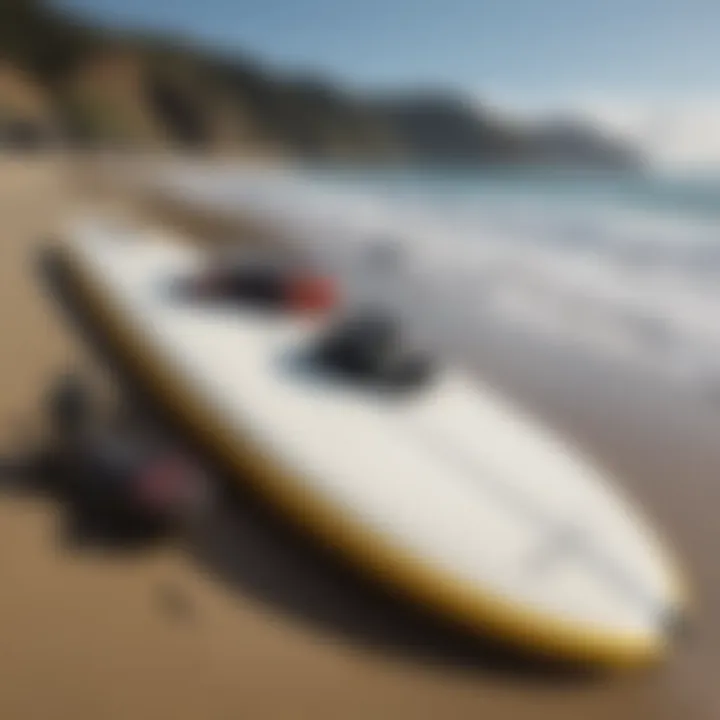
625	265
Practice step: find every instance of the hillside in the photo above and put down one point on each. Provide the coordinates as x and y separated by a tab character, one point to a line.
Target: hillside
92	87
439	127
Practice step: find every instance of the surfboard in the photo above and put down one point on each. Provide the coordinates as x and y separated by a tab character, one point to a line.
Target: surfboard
449	494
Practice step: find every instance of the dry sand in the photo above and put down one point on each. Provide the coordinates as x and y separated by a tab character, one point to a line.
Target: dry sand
259	629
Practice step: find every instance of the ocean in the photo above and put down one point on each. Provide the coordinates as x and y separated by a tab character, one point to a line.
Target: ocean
623	265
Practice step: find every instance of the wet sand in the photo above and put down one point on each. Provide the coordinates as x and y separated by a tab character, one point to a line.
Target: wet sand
247	622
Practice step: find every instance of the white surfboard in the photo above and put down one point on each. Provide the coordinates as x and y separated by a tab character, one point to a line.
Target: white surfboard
450	494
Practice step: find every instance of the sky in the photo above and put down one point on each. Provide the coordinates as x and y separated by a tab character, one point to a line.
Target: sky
647	68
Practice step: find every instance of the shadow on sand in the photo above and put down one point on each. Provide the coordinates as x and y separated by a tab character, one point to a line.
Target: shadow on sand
245	544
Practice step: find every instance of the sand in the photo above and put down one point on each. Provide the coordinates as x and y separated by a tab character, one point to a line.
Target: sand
246	623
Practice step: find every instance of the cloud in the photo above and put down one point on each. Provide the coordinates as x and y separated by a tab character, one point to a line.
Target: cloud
674	134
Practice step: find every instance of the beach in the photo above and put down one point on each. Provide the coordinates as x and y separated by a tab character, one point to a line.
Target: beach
262	630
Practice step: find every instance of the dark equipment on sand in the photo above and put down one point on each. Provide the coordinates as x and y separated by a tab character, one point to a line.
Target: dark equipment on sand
126	472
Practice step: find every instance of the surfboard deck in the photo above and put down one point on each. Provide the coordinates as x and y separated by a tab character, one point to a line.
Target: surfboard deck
450	494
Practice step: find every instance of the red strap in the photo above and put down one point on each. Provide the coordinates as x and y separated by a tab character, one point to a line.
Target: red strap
311	294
